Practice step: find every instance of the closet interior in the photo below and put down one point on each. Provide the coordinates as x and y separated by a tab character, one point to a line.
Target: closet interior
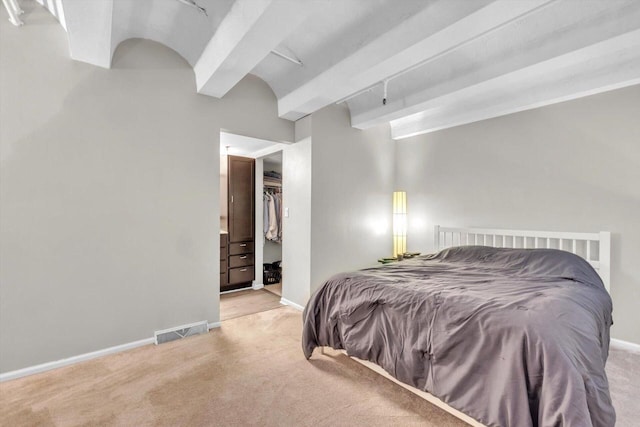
251	213
237	222
272	223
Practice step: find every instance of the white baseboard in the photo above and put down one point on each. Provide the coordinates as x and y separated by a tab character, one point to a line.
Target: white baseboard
11	375
214	325
31	370
625	345
291	304
247	288
257	286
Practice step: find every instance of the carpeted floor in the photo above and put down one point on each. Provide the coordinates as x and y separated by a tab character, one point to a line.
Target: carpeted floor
251	371
623	371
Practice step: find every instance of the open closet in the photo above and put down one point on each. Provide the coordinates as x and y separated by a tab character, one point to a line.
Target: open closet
272	223
251	234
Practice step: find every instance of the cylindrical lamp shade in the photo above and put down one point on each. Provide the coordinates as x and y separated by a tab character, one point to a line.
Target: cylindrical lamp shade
399	223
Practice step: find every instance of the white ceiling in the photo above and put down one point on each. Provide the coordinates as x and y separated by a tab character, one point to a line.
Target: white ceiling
446	62
184	29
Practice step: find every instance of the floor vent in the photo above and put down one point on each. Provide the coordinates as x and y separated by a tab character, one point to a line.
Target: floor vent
180	332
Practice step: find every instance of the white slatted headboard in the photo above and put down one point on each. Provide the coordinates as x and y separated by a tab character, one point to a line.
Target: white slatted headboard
594	247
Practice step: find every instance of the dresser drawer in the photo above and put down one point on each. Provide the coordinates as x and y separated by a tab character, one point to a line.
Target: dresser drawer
223	279
240	260
223	265
223	248
240	248
240	274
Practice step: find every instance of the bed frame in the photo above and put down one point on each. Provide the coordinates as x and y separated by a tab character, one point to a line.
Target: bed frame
593	247
423	394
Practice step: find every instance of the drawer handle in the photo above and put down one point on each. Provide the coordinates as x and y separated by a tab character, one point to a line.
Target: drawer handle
244	269
243	257
243	245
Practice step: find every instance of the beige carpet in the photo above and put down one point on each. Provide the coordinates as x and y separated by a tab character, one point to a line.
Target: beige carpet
249	372
623	371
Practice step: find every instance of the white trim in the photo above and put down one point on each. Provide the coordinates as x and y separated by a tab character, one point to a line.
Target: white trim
291	304
445	237
625	345
43	367
248	288
214	325
254	286
267	151
73	360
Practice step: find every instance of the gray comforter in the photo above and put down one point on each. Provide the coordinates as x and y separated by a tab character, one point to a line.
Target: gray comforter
511	337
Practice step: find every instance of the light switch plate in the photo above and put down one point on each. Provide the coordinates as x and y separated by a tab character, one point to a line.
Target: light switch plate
286	212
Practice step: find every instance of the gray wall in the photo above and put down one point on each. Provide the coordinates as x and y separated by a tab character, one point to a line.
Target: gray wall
296	229
573	166
338	185
353	174
109	192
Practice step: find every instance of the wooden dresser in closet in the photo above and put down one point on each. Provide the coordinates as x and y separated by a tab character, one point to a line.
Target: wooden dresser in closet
224	263
241	222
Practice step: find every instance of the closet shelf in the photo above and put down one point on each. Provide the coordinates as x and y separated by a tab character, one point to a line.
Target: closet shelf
273	183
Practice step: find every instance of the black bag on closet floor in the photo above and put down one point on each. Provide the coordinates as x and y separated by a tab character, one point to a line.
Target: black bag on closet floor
272	273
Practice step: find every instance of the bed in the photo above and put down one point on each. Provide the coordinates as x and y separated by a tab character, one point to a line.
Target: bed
511	328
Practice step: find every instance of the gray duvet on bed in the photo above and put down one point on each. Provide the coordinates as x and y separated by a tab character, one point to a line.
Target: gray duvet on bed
511	337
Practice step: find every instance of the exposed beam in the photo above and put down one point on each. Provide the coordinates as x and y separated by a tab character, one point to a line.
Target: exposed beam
605	66
439	27
544	50
249	32
89	30
14	11
56	9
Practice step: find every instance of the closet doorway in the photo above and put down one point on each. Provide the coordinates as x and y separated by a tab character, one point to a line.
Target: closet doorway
251	196
272	214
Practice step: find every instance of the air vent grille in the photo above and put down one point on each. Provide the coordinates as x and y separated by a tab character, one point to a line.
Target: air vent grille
180	332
